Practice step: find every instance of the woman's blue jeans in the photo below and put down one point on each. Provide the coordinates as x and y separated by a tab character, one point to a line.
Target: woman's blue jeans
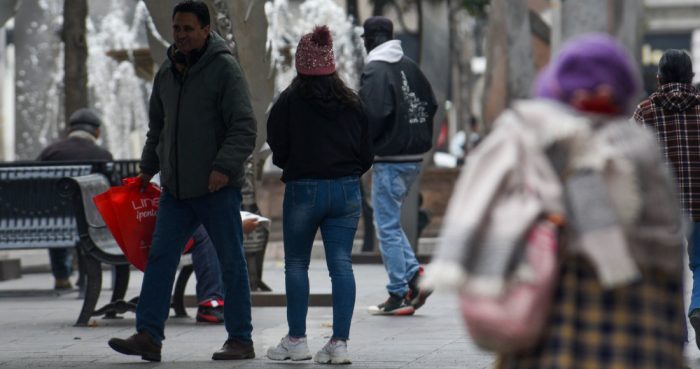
334	207
219	213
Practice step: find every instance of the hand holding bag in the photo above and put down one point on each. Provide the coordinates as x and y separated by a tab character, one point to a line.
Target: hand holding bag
130	214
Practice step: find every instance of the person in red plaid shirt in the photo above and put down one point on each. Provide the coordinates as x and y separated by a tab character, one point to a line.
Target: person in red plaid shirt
673	112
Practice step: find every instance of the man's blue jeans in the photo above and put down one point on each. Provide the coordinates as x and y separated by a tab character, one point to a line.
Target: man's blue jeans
390	185
334	207
205	264
694	261
219	213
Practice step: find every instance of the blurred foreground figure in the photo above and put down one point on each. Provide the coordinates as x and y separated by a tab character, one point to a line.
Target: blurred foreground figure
673	112
617	300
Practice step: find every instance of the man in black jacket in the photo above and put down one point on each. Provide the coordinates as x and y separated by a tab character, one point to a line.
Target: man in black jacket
81	144
201	129
400	106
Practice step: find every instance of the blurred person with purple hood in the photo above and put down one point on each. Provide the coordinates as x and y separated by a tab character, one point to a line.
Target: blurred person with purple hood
618	297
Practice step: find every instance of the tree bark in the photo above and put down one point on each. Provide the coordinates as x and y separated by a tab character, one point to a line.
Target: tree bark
435	63
353	10
622	19
160	38
629	26
250	35
3	124
379	5
75	56
573	18
510	68
7	10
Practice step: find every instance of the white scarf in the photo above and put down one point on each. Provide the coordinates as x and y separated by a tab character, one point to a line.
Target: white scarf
390	52
78	133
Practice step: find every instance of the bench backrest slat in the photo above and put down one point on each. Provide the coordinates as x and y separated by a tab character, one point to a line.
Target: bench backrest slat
32	214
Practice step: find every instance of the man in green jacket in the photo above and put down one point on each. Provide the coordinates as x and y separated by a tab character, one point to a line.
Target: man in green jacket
201	129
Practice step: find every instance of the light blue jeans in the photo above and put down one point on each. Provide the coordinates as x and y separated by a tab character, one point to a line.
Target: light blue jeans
219	213
694	261
205	264
332	205
390	185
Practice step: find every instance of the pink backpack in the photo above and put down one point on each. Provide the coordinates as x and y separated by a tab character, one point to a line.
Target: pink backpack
514	321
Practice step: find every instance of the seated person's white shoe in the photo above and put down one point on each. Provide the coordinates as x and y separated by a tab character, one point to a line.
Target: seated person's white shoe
291	348
334	352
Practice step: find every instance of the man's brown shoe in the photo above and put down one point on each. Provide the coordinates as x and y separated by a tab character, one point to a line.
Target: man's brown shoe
139	344
235	350
62	284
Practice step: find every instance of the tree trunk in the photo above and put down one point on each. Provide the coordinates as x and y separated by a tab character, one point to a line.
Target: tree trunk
75	57
628	26
379	5
7	10
38	78
160	38
510	69
353	11
250	35
3	123
434	62
622	19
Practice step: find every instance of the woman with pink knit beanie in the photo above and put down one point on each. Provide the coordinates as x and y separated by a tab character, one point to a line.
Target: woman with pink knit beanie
319	136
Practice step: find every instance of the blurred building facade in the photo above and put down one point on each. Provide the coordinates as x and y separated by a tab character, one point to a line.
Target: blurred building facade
671	24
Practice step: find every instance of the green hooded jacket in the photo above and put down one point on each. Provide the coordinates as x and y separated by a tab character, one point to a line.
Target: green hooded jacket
200	119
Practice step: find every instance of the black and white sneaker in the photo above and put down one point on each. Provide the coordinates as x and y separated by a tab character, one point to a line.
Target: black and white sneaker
416	296
394	305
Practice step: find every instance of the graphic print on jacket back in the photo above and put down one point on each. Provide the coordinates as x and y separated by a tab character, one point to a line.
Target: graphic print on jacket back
417	109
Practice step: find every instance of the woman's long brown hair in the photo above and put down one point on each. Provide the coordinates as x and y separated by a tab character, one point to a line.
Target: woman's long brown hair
325	88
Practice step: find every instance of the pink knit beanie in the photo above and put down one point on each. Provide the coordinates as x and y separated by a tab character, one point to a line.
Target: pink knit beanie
314	55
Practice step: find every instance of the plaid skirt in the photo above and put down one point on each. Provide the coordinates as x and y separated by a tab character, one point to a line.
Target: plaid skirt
637	326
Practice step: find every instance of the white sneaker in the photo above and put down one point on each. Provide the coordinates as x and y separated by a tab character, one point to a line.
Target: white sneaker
287	349
334	352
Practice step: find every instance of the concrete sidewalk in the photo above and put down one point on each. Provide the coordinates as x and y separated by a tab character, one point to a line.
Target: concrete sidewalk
36	330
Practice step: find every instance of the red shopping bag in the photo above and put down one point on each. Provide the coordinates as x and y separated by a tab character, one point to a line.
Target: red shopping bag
130	214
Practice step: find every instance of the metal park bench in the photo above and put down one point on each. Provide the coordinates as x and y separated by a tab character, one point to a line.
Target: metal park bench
97	247
37	212
33	215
